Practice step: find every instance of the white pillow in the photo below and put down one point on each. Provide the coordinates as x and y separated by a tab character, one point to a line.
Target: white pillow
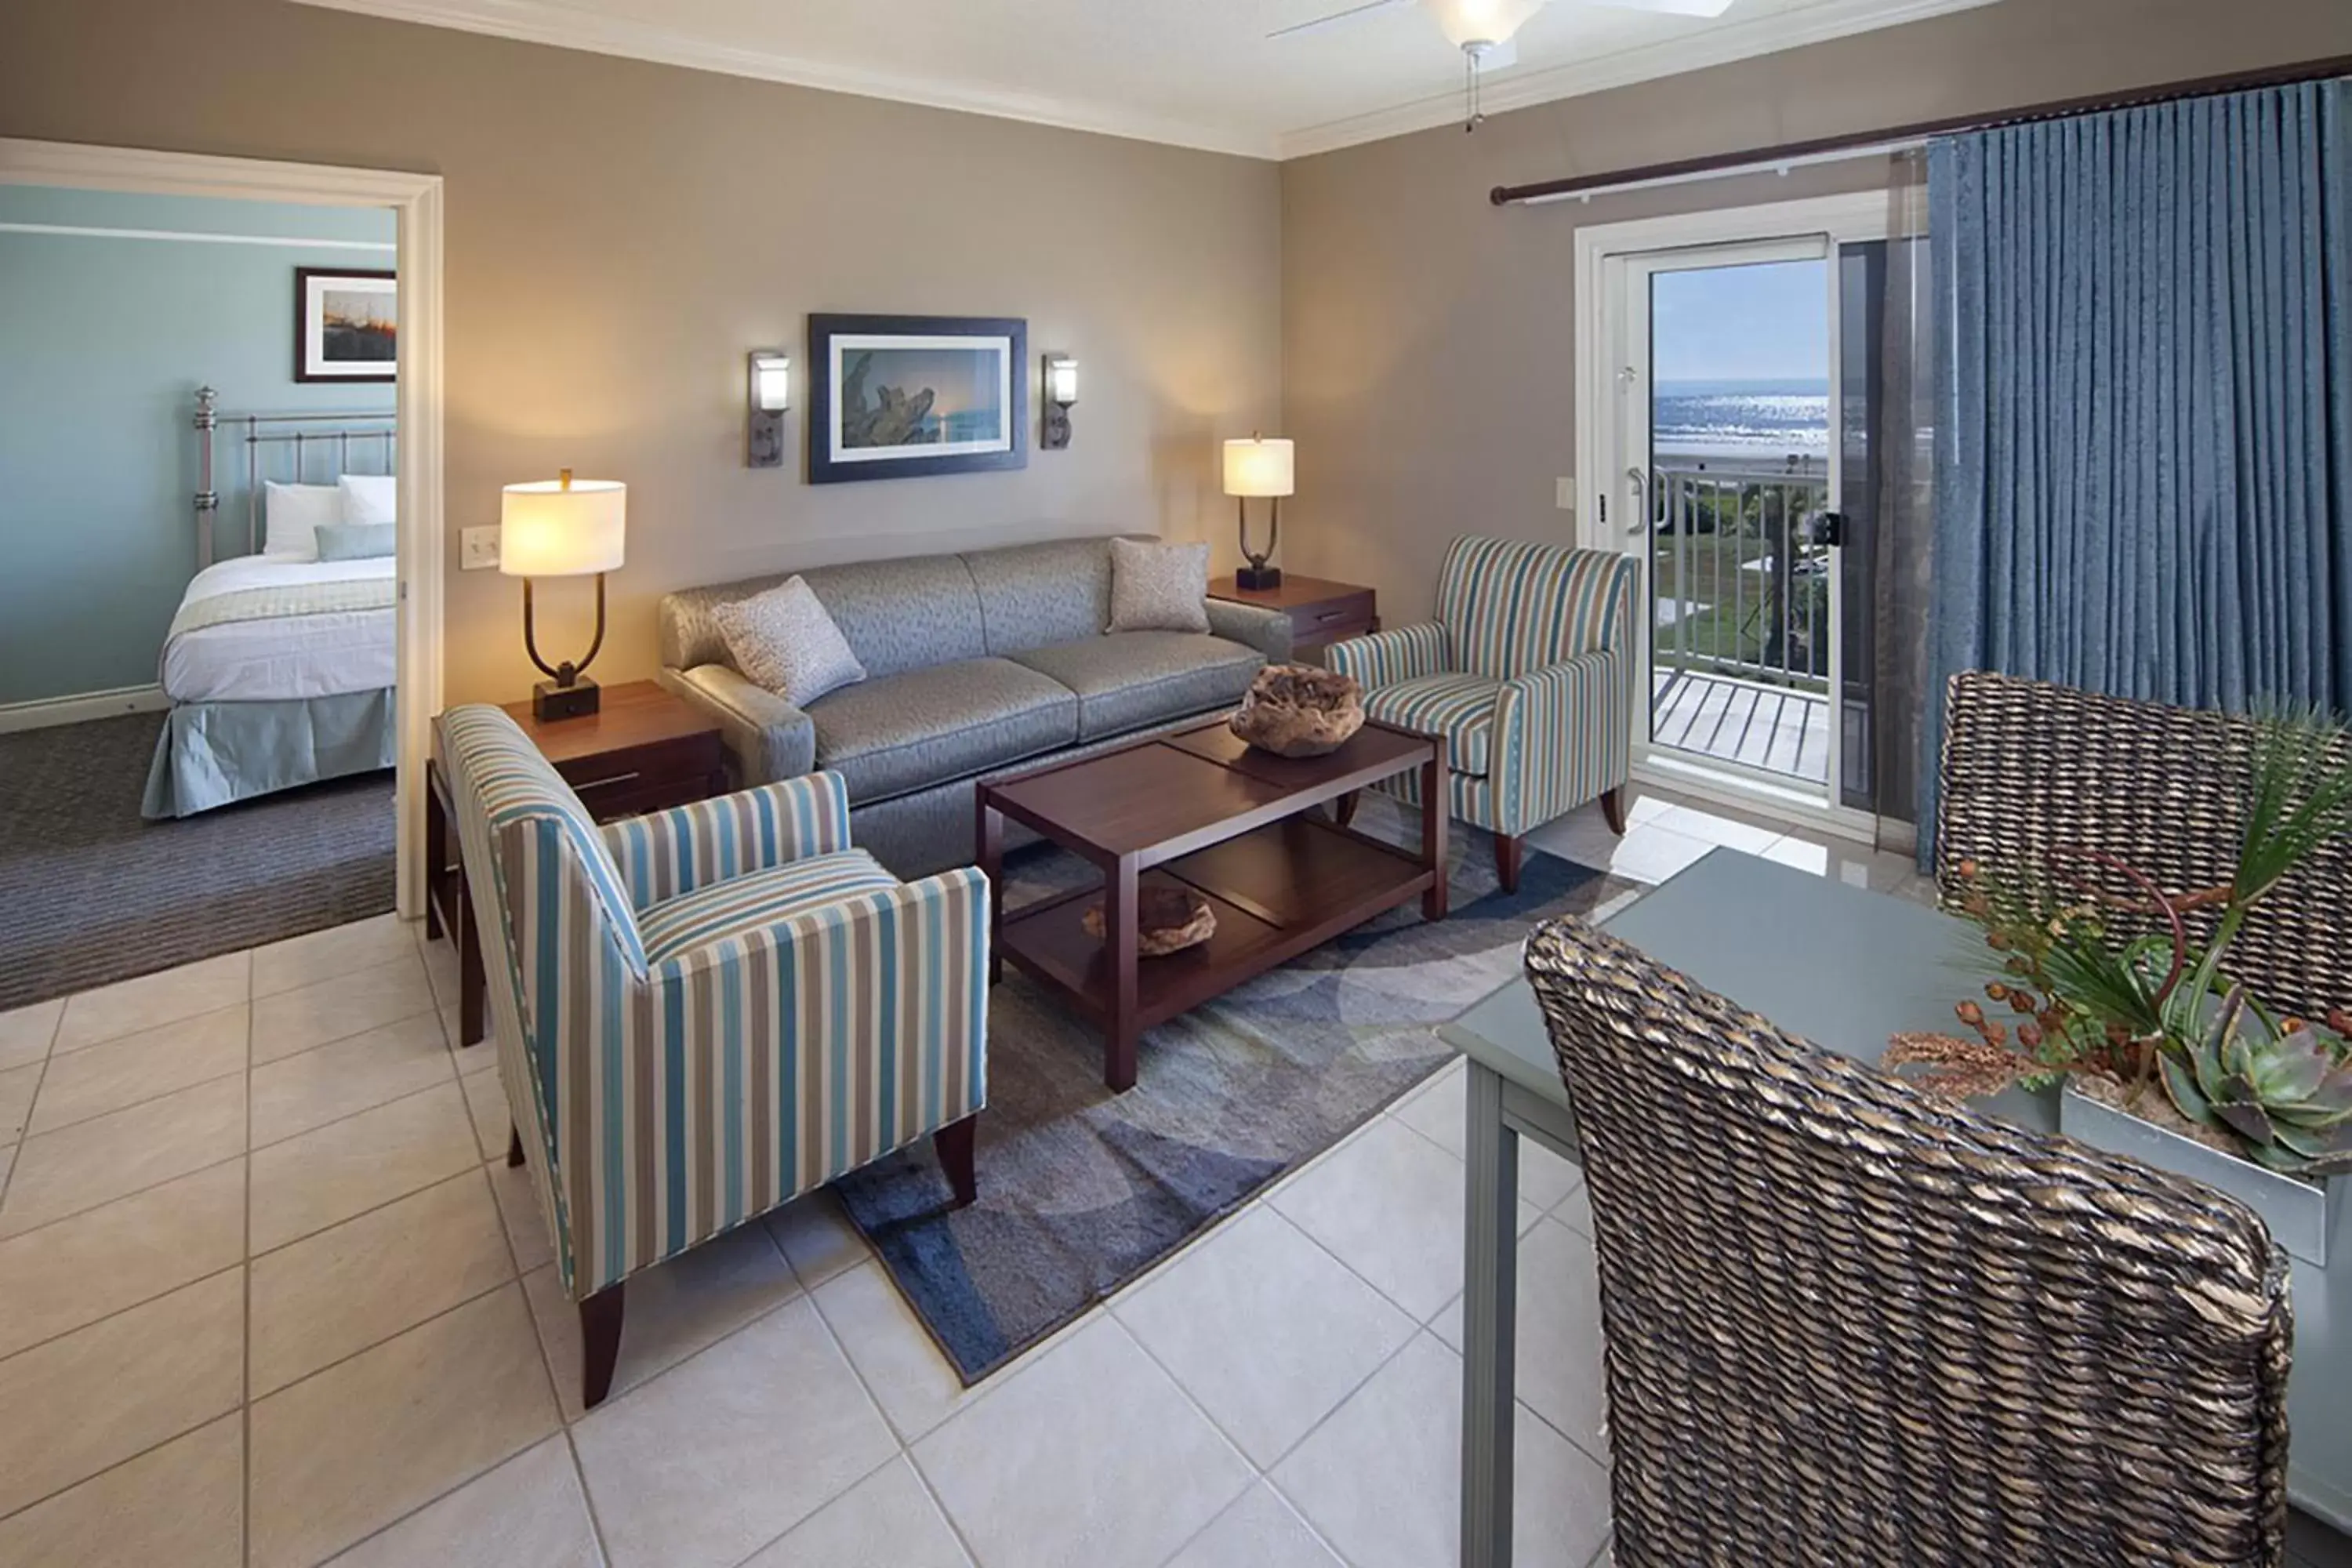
370	498
292	515
783	639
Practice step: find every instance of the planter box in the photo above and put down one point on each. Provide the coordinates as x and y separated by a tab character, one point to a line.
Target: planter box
2300	1215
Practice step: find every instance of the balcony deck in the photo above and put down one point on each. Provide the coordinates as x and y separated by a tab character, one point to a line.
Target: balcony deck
1765	727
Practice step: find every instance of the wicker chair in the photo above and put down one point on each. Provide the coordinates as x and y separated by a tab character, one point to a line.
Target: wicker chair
2029	765
1849	1326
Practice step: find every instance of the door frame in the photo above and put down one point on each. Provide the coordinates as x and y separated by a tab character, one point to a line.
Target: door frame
417	201
1877	215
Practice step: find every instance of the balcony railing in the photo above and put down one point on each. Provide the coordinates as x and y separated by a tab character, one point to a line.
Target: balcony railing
1738	585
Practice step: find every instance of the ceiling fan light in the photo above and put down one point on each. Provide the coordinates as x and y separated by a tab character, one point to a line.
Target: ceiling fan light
1468	22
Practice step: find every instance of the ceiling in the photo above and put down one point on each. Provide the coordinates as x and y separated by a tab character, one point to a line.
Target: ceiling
1197	73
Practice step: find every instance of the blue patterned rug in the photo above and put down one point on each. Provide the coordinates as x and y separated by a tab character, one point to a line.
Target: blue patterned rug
1082	1190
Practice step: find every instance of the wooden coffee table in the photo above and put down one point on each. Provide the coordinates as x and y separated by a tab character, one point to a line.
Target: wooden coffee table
1198	808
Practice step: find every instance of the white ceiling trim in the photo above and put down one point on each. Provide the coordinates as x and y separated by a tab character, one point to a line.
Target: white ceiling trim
541	22
1718	45
552	22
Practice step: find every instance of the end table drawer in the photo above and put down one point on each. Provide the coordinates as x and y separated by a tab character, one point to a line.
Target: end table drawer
1332	619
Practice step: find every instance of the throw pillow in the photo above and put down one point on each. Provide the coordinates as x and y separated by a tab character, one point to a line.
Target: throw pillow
356	541
292	515
1159	587
783	639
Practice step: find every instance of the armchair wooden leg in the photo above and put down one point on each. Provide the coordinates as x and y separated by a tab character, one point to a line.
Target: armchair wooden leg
955	1144
1613	809
1347	808
1508	852
514	1144
600	1344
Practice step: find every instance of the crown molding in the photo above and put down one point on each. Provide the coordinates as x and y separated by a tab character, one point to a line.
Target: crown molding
562	27
1724	44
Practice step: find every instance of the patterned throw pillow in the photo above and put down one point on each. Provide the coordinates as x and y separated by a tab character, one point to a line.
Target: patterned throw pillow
783	639
1159	587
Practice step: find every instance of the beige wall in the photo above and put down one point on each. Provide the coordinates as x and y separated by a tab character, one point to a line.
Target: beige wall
619	234
1428	350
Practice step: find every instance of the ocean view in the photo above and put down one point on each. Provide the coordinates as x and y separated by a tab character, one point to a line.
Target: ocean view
1741	418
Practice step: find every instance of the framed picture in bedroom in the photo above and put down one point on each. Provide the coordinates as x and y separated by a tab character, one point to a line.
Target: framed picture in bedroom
346	325
897	398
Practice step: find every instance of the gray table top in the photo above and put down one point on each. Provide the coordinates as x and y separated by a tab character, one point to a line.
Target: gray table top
1846	968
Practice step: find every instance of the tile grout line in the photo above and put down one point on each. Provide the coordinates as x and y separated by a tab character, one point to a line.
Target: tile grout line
244	1371
16	1150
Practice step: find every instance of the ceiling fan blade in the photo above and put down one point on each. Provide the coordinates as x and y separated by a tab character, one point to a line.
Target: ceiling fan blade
1667	7
1345	14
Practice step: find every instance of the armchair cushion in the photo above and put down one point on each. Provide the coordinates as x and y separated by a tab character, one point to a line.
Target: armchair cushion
674	852
758	898
1510	608
1459	706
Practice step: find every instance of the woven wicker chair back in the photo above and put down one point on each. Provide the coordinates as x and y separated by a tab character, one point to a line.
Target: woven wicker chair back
1849	1325
2030	766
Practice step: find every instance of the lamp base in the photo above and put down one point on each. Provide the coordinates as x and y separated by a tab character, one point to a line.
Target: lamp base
551	701
1258	577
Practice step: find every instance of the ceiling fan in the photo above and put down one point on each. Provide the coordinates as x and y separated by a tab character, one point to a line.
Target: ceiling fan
1483	30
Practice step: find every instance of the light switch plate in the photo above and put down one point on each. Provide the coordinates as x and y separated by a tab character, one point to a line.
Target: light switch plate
1563	495
482	548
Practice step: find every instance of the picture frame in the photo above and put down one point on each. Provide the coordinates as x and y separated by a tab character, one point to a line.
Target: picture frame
897	398
346	325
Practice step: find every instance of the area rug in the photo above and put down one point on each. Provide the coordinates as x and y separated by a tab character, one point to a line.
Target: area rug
90	893
1082	1190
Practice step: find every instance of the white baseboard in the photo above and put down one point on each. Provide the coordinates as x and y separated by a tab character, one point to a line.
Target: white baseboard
49	710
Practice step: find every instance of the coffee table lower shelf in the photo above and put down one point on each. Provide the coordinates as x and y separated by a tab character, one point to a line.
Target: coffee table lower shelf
1277	892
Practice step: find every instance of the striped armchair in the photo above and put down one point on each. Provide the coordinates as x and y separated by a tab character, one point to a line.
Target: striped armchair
702	1013
1527	672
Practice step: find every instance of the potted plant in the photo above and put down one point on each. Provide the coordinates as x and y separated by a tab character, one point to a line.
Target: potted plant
2158	1052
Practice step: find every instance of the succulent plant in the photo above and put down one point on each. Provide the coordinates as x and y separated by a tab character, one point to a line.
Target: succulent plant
2286	1093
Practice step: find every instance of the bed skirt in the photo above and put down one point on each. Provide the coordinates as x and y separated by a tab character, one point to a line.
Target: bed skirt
212	753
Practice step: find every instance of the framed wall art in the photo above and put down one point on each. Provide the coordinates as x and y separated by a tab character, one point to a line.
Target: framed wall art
896	397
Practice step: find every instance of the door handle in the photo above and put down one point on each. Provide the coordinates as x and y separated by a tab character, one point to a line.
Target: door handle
1641	483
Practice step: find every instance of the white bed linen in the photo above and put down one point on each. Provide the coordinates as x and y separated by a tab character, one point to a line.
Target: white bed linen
285	655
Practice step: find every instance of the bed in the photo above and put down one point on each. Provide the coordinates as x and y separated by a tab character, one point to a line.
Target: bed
279	666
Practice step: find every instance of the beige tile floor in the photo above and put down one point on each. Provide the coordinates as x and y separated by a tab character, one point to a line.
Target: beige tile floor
268	1295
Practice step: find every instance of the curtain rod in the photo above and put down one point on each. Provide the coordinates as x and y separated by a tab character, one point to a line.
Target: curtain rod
1867	143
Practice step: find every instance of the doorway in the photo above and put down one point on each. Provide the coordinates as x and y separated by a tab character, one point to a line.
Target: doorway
1736	427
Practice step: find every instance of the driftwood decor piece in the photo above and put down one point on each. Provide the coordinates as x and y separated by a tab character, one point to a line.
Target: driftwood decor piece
1298	711
1167	920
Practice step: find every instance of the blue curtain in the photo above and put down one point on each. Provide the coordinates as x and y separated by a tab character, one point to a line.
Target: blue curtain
2144	431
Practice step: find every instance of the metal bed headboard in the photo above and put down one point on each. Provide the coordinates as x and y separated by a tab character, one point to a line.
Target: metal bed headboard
266	437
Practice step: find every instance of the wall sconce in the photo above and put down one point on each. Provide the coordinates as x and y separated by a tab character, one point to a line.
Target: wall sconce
1061	391
772	396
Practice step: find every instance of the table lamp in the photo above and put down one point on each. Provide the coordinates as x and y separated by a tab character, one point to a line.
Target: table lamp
1258	466
561	528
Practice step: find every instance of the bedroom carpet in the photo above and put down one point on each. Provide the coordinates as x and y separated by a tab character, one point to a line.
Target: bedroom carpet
1082	1190
90	893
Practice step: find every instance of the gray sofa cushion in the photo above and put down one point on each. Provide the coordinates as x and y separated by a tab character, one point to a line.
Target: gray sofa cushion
896	615
925	726
1035	595
1129	679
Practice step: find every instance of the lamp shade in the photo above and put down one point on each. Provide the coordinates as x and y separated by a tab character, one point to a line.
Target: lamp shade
563	528
1257	467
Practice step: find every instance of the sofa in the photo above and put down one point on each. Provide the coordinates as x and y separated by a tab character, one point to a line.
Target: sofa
976	664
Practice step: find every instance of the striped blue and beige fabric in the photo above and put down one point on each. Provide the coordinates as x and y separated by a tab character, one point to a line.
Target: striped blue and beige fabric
786	1013
676	851
1528	673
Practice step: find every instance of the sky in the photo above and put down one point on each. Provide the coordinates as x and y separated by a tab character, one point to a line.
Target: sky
1768	323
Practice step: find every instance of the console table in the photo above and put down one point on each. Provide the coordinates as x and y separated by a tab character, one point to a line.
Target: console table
1844	968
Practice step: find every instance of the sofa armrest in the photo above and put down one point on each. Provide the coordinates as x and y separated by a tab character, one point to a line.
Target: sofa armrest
1383	658
768	737
676	851
1251	626
1563	736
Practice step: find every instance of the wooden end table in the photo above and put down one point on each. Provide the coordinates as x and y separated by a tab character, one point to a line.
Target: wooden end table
646	749
1198	808
1320	610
